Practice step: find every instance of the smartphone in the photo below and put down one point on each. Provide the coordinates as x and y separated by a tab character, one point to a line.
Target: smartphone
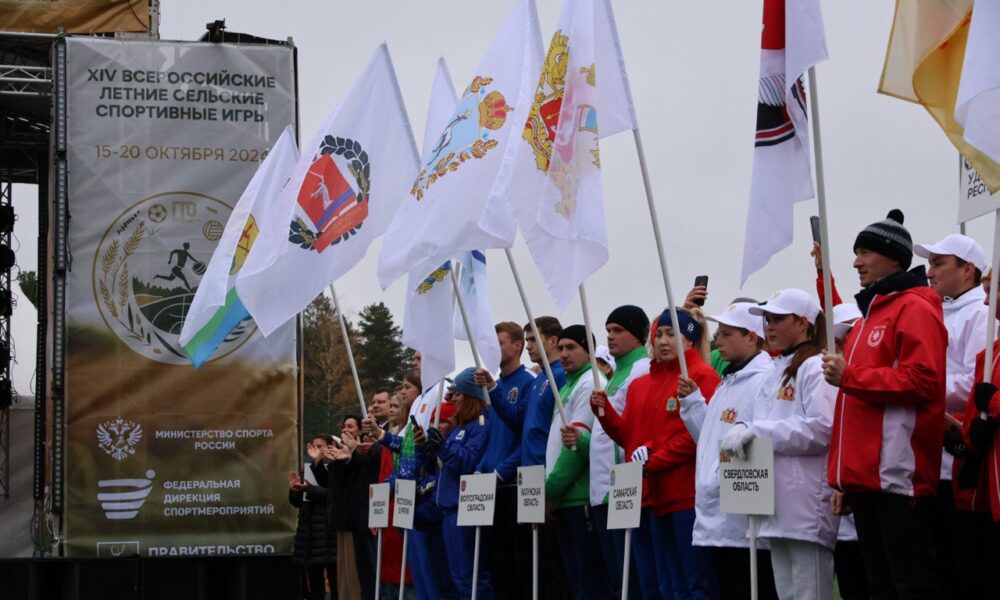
814	223
701	280
414	421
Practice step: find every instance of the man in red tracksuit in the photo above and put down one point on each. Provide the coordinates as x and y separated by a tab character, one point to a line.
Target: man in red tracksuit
888	429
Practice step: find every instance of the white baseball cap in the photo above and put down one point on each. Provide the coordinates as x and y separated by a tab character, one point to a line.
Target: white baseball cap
738	315
958	245
604	354
844	316
789	302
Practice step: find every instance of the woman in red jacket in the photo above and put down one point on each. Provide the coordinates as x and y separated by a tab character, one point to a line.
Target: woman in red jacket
650	431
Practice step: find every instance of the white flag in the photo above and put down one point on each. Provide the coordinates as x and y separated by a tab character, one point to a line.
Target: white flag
429	291
341	197
467	168
977	108
792	40
475	290
582	95
217	309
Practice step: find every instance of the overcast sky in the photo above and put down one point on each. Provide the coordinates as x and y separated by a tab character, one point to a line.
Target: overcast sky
693	68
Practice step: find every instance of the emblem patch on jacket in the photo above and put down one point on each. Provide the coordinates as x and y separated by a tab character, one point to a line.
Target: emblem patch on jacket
423	408
512	396
460	435
672	404
728	416
875	338
787	393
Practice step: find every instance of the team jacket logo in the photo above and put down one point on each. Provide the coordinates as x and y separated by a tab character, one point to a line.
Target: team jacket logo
875	338
512	396
119	437
460	435
728	416
554	146
330	209
774	124
471	133
672	404
787	393
462	485
149	264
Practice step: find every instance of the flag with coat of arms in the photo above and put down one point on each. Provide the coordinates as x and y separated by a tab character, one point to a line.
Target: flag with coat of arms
341	197
792	41
582	95
474	288
217	308
468	166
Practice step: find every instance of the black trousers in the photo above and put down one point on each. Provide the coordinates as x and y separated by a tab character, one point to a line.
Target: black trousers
317	583
894	532
732	573
364	557
978	555
946	541
849	565
510	545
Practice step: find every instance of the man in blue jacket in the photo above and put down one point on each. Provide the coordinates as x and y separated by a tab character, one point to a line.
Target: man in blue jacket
510	543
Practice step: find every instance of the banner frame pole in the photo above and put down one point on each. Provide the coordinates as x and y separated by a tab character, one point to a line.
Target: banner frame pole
658	237
824	235
402	568
538	338
991	314
753	556
350	352
378	561
468	326
591	350
534	561
475	565
625	566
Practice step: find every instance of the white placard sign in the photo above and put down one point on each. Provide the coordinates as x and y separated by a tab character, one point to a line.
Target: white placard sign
378	505
747	486
406	504
531	494
625	496
477	496
974	200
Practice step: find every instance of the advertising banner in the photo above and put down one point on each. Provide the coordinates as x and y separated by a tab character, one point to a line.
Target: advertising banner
75	16
163	459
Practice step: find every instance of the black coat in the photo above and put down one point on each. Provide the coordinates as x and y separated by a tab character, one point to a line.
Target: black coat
315	537
348	489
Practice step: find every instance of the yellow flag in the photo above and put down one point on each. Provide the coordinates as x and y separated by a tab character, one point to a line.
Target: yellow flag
923	64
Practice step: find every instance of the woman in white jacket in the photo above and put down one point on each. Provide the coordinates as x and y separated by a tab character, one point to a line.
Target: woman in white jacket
794	408
740	341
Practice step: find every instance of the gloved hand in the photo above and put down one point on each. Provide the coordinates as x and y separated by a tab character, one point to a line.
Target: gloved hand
953	442
981	433
640	455
983	393
434	440
734	443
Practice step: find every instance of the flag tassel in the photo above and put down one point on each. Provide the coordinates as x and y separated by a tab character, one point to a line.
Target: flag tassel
824	235
350	353
468	328
658	236
538	338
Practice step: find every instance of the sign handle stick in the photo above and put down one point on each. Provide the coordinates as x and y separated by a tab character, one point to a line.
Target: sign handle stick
402	568
468	328
824	235
534	561
350	353
475	564
753	557
539	340
991	316
378	561
590	344
437	413
625	567
658	236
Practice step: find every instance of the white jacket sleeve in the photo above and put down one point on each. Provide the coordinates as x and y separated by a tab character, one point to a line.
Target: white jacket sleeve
693	411
958	383
578	409
807	430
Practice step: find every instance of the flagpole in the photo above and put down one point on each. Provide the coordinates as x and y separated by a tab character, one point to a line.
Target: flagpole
437	413
991	314
538	339
590	344
824	235
468	328
350	353
658	236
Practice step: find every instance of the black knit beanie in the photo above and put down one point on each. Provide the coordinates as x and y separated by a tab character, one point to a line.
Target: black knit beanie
577	333
888	238
633	319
